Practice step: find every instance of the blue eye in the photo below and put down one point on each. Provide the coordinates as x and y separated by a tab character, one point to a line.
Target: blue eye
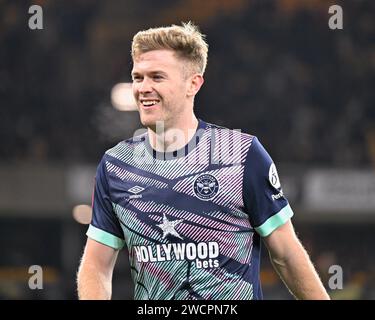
137	78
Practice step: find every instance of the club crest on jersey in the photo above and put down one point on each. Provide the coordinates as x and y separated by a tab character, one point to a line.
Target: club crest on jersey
206	187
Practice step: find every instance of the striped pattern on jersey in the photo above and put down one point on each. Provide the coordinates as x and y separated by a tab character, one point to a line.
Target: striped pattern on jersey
169	197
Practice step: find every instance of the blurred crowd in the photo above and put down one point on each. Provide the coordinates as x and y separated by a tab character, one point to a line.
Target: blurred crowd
304	89
275	70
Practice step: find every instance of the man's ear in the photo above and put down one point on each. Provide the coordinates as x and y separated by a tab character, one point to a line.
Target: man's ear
195	83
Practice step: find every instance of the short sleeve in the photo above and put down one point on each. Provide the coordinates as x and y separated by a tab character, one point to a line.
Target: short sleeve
105	227
263	196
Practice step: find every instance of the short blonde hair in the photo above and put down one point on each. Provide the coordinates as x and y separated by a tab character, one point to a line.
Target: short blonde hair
186	41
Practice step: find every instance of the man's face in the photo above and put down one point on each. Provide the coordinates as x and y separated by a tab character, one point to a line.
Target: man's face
160	88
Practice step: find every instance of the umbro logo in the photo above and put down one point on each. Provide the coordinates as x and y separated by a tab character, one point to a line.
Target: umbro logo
135	192
136	189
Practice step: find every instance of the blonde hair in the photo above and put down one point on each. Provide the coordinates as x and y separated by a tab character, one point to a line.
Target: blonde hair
186	41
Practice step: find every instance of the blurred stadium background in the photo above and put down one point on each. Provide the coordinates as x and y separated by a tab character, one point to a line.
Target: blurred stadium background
275	70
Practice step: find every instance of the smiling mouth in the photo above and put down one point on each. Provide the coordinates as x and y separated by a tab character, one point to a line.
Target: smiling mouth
149	103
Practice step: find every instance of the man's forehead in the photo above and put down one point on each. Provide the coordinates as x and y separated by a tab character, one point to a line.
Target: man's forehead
155	59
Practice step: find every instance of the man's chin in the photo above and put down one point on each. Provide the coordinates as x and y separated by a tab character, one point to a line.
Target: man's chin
150	123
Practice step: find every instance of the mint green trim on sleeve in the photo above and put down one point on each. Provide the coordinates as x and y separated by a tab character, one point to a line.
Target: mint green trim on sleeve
105	237
275	221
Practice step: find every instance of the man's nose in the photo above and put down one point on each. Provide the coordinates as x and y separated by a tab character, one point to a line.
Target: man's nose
145	86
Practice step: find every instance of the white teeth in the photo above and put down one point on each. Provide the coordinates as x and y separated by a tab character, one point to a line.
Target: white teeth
149	103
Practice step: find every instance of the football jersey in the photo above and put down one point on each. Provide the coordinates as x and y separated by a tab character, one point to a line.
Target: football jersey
192	219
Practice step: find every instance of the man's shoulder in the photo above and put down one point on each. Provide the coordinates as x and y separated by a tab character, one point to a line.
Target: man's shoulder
229	145
129	143
227	132
125	148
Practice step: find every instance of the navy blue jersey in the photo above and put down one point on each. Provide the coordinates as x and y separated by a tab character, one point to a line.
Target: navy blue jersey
192	219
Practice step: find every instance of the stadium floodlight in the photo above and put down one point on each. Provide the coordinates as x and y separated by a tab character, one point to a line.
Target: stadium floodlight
122	97
82	213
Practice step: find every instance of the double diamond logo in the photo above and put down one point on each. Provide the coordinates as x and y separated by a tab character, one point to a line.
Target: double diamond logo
135	192
136	189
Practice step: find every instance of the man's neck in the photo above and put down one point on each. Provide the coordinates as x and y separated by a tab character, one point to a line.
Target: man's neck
169	139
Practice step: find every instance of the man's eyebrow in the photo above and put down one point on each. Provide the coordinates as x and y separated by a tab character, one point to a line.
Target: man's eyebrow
158	71
150	72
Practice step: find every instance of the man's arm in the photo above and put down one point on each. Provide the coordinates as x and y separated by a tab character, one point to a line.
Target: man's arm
293	264
94	277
